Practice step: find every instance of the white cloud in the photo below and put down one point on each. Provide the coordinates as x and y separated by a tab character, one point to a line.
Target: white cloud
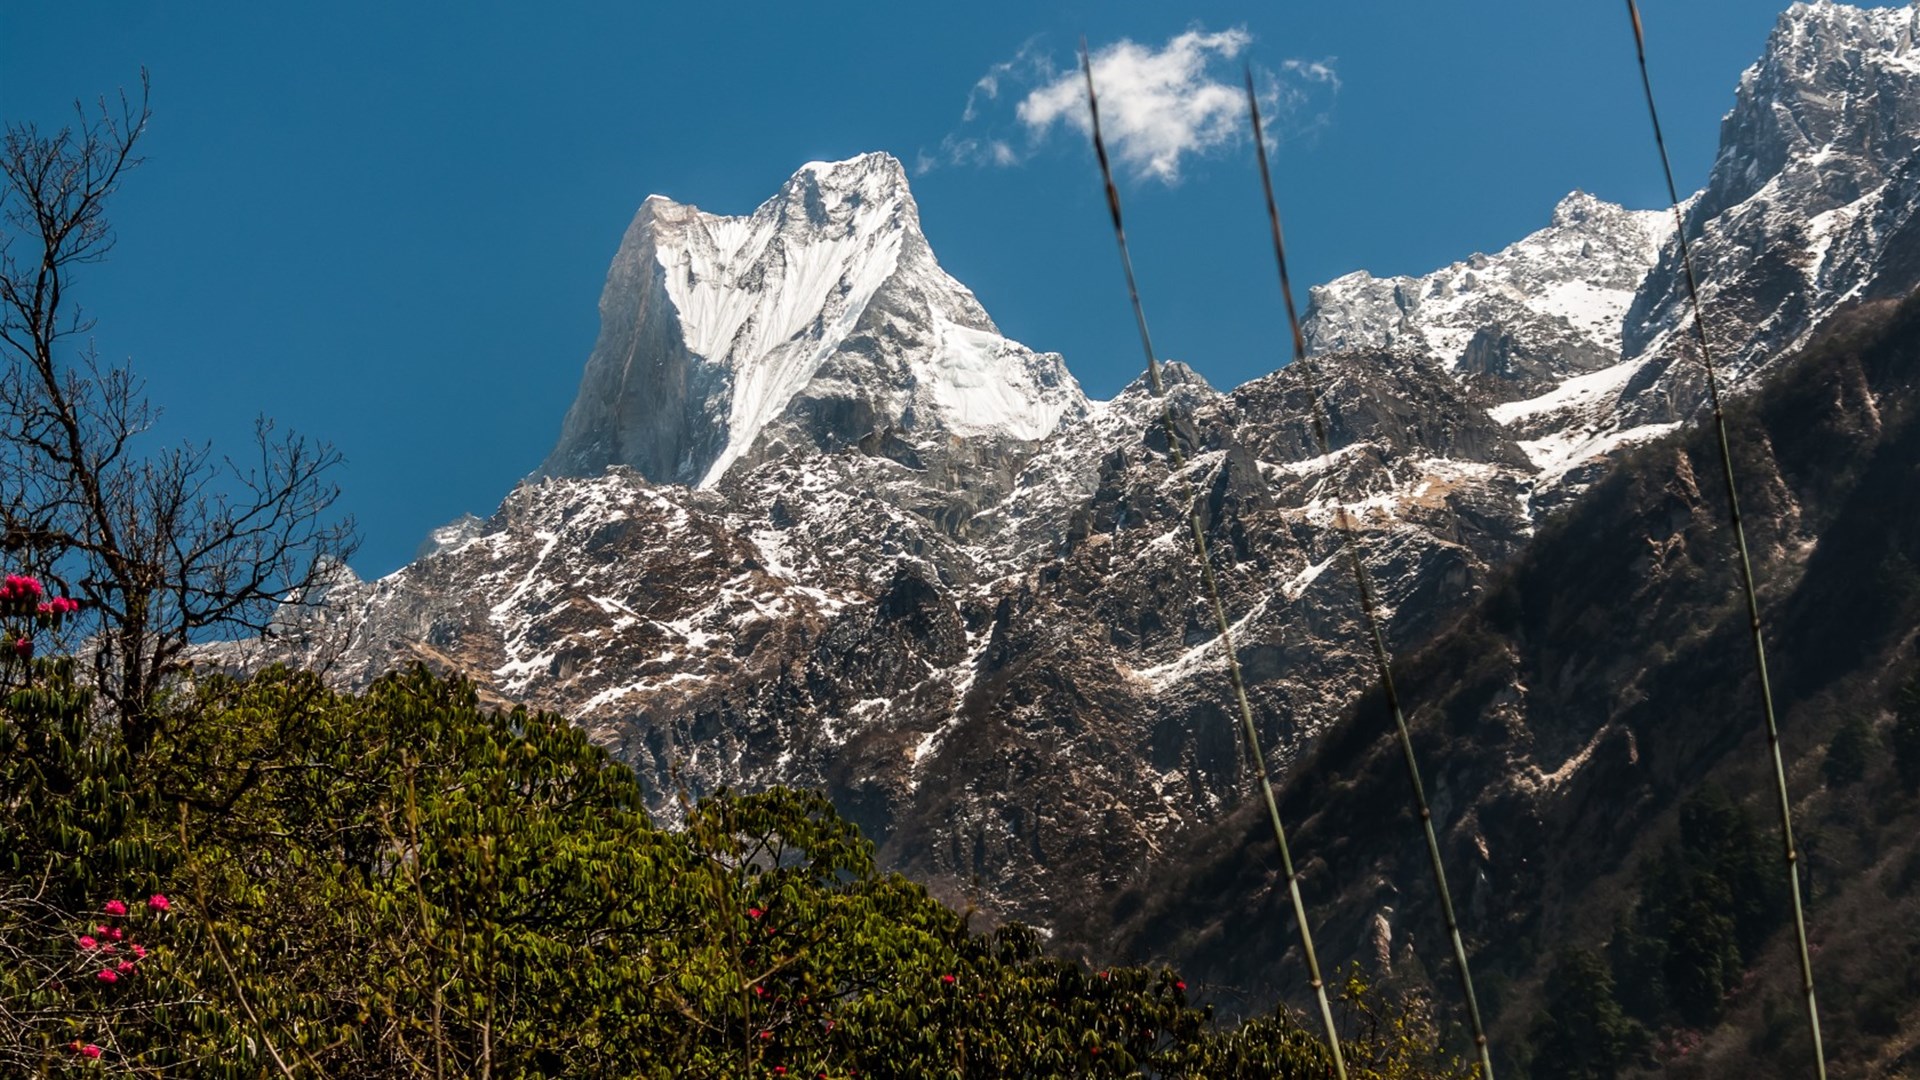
1027	65
1319	71
1156	105
1159	106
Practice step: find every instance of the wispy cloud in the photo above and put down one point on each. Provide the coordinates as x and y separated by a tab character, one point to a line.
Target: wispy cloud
1159	106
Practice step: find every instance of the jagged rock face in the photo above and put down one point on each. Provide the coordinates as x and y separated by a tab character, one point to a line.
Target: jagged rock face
1810	205
1583	331
1517	322
820	320
984	706
1605	675
813	521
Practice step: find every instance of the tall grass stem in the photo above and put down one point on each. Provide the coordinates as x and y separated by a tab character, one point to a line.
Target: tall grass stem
1177	459
1363	585
1790	852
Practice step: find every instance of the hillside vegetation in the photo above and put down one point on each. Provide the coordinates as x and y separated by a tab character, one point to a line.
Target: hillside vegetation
293	881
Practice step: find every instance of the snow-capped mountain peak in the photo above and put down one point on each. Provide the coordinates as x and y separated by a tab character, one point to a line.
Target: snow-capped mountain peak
815	321
1546	307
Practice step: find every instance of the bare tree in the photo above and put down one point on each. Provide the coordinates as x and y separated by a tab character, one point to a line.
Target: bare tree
165	548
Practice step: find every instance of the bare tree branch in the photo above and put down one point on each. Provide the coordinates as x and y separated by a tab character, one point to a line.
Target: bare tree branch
166	547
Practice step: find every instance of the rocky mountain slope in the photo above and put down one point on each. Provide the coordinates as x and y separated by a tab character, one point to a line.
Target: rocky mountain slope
813	521
1566	719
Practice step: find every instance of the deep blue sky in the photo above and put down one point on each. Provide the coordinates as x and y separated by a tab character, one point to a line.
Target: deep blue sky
386	224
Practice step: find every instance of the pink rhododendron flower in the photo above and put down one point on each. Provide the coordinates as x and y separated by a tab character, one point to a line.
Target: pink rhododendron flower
108	975
754	913
124	967
157	902
87	1050
23	648
115	907
139	951
88	943
116	933
946	979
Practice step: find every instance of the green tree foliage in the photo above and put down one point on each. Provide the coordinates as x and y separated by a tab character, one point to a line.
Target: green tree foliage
1705	908
402	883
1849	752
1582	1034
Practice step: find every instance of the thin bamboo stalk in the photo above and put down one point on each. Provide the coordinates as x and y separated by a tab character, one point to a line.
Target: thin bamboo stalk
1789	851
1363	585
1178	462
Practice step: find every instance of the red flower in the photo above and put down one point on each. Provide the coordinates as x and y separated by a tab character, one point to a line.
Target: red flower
1179	986
156	902
23	648
115	907
766	1034
946	979
85	1050
754	913
139	951
108	976
124	967
88	943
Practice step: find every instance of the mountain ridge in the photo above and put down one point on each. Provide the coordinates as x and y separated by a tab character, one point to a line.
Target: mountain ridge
988	648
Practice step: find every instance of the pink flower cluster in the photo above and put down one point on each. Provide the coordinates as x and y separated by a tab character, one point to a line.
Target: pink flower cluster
23	597
105	939
105	942
21	589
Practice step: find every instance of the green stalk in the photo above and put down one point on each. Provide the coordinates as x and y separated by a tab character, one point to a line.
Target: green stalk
1350	542
1178	462
1791	854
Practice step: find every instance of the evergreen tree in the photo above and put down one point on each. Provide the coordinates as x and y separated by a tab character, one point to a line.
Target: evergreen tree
1638	960
1906	735
1582	1035
1848	753
1703	950
1720	839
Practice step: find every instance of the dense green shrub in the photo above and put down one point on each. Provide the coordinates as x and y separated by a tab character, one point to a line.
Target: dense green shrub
402	883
